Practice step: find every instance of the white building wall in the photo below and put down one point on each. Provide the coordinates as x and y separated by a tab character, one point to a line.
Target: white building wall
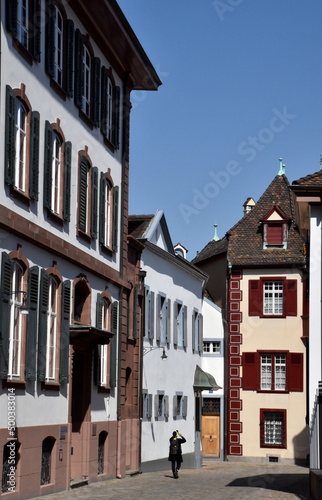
176	373
315	344
43	99
35	407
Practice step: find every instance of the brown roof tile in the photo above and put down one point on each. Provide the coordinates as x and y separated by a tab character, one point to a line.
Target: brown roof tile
244	241
138	224
311	179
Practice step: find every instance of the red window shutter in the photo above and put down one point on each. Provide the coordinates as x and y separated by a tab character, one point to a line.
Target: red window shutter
255	296
251	371
290	307
274	235
295	371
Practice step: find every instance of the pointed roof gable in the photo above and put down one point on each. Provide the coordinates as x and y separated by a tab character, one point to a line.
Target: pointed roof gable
152	228
244	241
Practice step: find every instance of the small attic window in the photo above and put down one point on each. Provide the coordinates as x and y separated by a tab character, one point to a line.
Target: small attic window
275	230
275	235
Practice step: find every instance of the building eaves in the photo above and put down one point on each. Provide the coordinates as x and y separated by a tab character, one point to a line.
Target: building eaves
107	25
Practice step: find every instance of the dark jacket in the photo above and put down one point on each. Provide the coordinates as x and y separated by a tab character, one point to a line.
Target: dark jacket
178	456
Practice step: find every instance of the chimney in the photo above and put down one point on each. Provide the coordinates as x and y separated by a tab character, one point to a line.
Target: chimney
249	205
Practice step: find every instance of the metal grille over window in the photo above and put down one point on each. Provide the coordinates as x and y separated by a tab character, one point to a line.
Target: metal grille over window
273	428
211	406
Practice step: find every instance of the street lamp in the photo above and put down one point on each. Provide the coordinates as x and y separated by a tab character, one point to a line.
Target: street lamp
23	308
146	350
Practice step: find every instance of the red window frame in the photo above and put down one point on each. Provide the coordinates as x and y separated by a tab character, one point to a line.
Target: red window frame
256	297
252	371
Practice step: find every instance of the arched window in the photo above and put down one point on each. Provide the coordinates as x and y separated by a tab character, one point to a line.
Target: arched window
108	212
46	454
87	80
110	109
87	197
59	48
101	452
82	299
57	175
22	144
23	21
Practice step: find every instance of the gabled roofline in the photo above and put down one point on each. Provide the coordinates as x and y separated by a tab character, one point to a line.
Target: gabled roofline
159	219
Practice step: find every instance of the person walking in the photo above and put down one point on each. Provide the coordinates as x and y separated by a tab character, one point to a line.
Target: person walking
175	452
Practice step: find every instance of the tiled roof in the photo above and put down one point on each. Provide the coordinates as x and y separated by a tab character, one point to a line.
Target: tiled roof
212	249
312	179
138	225
244	241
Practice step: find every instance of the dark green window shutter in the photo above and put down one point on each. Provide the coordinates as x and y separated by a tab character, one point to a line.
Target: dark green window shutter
113	343
36	30
34	155
116	116
79	81
200	334
102	222
82	211
99	311
69	59
11	16
94	212
49	133
96	96
115	216
6	272
64	336
10	147
67	180
185	327
42	335
50	37
31	343
103	101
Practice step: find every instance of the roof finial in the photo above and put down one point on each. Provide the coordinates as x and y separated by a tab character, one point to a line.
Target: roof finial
282	167
215	238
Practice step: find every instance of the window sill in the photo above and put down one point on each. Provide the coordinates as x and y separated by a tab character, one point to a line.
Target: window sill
56	217
24	198
51	386
84	236
58	89
103	389
23	51
107	250
267	391
109	144
86	119
270	446
14	383
272	316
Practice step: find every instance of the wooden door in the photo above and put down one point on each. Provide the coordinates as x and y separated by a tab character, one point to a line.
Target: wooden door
211	436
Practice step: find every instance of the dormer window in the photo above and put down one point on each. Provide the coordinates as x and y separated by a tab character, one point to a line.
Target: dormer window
275	229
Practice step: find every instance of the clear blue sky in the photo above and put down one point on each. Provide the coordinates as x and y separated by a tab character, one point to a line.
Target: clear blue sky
242	87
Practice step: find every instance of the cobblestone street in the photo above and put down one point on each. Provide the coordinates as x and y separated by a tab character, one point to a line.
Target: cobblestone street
215	480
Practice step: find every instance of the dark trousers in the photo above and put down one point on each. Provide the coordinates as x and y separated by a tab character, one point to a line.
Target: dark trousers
175	465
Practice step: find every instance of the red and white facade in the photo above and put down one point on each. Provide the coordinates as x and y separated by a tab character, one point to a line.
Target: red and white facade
266	328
